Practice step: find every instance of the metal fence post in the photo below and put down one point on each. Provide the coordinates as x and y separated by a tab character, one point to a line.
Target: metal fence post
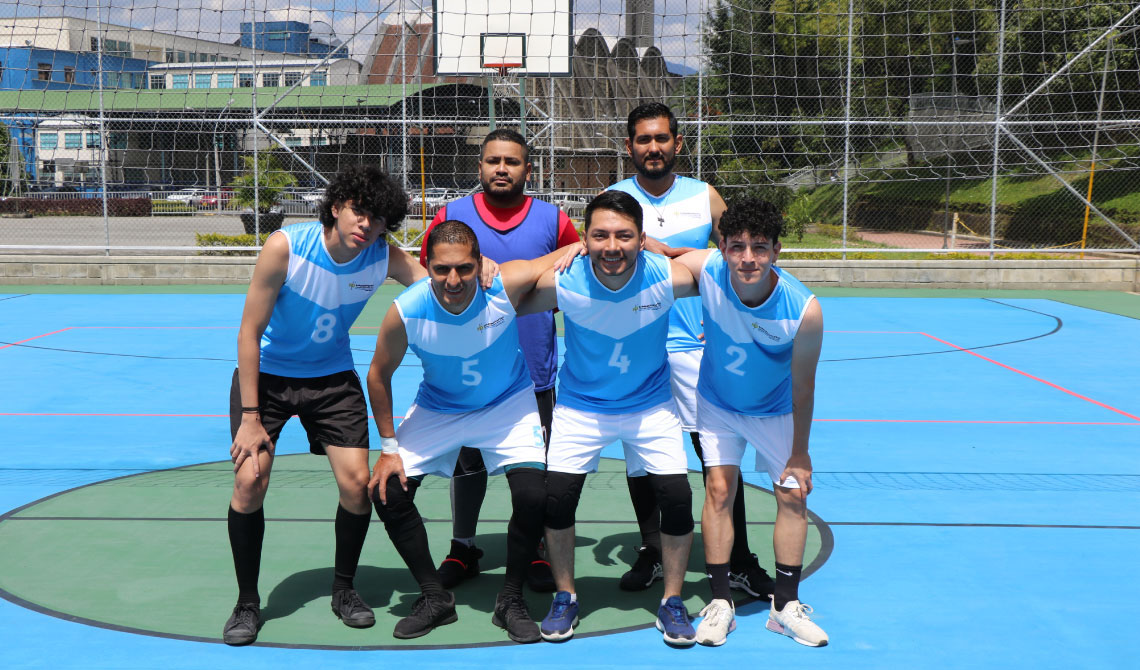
997	131
847	118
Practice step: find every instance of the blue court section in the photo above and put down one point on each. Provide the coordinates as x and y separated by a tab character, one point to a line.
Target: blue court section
976	460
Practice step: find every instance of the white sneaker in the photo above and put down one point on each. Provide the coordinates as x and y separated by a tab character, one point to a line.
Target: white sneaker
719	620
794	622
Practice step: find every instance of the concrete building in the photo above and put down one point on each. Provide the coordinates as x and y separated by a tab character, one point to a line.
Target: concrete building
293	38
268	73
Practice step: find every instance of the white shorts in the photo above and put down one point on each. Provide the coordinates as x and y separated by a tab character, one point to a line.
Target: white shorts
724	434
684	368
507	433
651	439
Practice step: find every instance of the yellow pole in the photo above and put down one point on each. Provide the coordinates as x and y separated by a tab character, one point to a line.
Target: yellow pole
1085	229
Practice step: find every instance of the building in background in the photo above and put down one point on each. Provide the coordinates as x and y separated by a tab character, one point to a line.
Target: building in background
293	38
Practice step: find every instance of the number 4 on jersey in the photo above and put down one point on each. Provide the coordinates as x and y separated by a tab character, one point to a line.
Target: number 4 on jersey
618	361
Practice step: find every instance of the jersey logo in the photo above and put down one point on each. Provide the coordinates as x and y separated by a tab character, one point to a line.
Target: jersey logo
756	326
491	324
652	305
362	287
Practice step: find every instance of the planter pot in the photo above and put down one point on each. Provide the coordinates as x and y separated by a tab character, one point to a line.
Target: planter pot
270	222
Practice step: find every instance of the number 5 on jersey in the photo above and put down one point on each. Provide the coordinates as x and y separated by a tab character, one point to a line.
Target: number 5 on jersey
469	376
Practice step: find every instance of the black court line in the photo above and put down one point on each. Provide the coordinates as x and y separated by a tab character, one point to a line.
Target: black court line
1058	324
827	546
12	297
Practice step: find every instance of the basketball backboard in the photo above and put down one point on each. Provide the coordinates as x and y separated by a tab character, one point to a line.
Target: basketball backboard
472	37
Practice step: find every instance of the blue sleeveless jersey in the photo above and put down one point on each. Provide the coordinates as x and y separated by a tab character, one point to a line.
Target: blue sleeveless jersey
687	223
747	365
471	360
307	335
615	340
536	236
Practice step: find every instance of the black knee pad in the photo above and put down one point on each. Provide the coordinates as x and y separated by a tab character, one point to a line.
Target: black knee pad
528	489
675	498
401	505
563	490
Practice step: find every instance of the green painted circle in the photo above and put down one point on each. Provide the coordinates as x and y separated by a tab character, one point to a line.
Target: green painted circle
149	554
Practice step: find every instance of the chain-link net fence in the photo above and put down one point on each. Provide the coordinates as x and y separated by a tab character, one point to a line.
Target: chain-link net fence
885	126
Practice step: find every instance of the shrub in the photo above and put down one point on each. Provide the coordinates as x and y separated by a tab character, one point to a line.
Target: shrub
77	206
219	240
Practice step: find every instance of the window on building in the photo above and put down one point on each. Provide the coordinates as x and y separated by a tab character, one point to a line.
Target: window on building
270	80
158	81
318	78
203	80
49	140
117	141
180	81
171	56
94	43
245	80
92	140
292	78
69	75
73	140
225	81
47	172
43	72
181	56
291	141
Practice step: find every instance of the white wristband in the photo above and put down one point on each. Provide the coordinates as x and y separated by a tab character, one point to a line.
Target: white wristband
389	445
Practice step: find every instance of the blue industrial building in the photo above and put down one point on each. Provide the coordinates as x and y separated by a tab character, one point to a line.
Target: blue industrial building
293	38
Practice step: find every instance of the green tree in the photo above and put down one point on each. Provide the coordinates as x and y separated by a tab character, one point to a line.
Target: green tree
270	183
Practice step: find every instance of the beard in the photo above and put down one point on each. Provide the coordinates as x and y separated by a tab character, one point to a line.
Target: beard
513	191
664	170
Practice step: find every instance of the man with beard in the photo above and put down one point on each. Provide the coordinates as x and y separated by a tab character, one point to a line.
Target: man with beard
509	225
681	214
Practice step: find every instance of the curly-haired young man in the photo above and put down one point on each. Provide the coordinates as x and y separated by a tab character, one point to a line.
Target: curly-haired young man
310	283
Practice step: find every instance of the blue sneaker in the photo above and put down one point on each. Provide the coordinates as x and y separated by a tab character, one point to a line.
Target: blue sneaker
560	621
673	621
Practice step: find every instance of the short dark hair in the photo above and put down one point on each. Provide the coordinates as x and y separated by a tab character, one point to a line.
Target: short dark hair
506	135
650	110
615	201
752	214
452	232
371	190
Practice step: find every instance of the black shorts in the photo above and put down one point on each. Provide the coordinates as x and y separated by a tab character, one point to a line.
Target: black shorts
332	408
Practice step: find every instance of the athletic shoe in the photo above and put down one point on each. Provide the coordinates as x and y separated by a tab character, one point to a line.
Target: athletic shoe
794	622
243	624
719	620
462	563
512	615
673	621
351	609
560	621
749	577
646	570
429	611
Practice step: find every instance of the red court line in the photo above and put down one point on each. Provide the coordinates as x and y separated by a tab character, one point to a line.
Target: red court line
35	338
126	414
1026	374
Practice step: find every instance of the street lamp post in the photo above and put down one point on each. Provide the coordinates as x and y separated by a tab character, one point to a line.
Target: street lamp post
217	162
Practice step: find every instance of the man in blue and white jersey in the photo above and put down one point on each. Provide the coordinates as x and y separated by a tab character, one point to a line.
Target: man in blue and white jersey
681	215
614	385
476	392
310	283
763	335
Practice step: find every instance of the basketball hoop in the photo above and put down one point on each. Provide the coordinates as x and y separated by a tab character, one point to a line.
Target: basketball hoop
503	68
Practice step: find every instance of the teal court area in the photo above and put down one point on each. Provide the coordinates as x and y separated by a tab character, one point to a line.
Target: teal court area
977	481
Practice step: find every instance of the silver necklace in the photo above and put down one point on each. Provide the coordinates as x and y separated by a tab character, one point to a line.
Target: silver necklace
664	203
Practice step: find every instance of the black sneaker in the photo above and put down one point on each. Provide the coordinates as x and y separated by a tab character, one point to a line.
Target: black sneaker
646	570
512	615
243	624
538	575
749	577
351	609
430	610
462	563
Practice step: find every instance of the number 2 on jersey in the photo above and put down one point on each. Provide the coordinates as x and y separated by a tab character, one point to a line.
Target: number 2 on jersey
739	355
618	361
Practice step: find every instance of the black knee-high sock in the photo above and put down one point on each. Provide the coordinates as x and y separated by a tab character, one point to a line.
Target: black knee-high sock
406	529
468	489
247	533
350	529
740	550
528	511
787	585
718	580
644	501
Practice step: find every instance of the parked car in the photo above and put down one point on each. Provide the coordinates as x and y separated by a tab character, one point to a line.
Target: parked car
314	199
211	198
191	196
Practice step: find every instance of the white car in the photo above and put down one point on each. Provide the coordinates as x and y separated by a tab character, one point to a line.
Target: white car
191	196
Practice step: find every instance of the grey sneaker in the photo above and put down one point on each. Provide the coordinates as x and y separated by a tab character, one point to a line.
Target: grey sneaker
511	614
794	622
749	577
243	624
351	609
719	620
429	611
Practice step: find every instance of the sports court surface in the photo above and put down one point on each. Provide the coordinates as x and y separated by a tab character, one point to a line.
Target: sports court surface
977	500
